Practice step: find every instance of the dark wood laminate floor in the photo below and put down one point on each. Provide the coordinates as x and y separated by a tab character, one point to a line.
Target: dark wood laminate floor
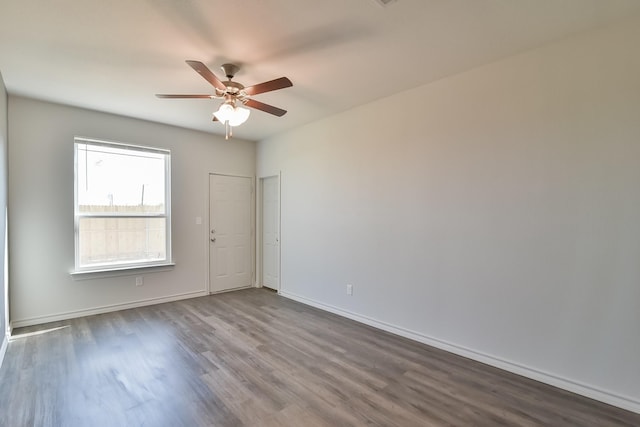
252	358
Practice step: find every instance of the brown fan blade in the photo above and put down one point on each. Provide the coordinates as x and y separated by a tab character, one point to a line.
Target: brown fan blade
265	107
160	95
215	119
276	84
207	74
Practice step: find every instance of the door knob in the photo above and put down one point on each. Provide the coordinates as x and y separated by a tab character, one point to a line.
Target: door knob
213	239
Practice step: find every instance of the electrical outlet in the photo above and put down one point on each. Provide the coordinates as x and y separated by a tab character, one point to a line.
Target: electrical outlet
139	281
349	289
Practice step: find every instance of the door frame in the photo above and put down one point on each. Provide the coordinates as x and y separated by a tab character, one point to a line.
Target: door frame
259	236
252	221
7	318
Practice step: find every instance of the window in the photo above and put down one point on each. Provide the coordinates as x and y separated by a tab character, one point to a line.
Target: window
122	206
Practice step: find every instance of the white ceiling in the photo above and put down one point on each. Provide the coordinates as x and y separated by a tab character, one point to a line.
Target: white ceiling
115	55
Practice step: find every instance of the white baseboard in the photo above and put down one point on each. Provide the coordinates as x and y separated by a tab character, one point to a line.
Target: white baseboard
103	309
3	348
595	393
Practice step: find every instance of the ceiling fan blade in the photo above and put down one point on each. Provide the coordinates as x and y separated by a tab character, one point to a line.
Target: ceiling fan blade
276	84
215	119
161	95
207	74
265	107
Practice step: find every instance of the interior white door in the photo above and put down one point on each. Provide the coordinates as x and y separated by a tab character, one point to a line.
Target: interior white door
270	232
230	265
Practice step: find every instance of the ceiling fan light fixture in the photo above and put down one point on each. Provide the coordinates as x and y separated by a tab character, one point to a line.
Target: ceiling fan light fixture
239	116
228	112
225	113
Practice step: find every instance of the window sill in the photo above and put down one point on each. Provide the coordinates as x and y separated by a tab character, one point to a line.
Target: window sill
121	271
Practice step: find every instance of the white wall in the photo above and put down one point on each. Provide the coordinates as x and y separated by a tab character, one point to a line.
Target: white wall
41	208
3	208
495	213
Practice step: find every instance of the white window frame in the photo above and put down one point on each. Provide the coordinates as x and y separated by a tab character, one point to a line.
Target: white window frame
77	214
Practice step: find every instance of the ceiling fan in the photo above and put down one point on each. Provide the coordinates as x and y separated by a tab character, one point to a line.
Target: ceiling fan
234	93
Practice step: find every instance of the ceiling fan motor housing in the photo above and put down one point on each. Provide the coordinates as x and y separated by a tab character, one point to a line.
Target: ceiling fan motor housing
233	88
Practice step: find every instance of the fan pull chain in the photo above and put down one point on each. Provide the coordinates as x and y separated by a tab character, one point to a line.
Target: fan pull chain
228	130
